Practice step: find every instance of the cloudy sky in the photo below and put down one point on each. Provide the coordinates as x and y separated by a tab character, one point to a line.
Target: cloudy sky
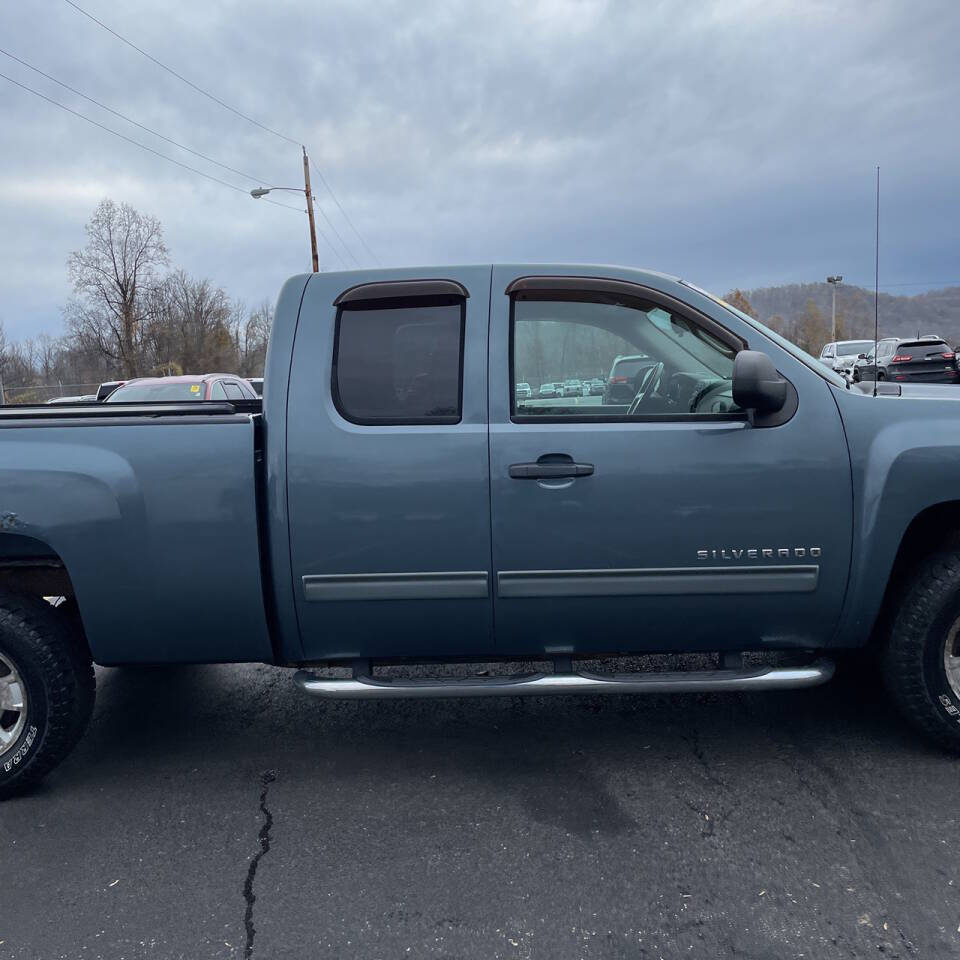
732	142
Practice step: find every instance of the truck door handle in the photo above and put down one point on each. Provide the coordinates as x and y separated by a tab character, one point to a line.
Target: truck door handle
552	469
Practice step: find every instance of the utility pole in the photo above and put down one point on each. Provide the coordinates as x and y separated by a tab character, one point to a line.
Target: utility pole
308	193
834	283
313	226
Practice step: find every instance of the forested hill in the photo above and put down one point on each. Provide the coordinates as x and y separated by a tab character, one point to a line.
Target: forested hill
801	311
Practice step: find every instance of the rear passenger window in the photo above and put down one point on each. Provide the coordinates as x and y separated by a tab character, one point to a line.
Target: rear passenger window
399	362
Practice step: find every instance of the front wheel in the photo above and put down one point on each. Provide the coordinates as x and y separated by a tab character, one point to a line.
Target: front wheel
921	662
46	690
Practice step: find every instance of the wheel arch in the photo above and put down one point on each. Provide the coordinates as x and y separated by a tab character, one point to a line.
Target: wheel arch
933	528
31	566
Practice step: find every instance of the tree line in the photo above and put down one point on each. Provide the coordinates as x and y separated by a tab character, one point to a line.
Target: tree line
132	314
809	329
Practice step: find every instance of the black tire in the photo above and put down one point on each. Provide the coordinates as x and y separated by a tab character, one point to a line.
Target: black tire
925	623
46	648
881	375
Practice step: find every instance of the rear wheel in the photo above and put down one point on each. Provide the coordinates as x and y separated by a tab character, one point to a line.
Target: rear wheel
46	690
921	661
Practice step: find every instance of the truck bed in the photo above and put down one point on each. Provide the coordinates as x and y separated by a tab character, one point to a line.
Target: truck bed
153	511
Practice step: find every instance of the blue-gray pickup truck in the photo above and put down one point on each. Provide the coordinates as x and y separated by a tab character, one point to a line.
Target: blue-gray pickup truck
396	500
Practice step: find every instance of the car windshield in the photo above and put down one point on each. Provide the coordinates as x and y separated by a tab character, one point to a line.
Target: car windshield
849	347
157	390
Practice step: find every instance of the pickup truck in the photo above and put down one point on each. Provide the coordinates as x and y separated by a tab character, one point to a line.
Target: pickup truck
393	501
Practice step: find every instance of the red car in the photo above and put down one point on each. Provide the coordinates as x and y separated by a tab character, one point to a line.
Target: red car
209	386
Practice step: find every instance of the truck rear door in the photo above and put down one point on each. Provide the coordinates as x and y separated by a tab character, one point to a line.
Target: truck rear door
387	465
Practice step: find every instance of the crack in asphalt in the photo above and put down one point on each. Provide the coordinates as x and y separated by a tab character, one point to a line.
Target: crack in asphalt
263	838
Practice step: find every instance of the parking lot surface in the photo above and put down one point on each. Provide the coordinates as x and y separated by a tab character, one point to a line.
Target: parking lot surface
218	812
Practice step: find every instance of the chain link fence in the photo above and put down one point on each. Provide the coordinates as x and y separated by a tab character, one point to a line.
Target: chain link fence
45	392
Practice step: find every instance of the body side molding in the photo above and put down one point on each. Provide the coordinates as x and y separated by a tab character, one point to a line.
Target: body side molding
453	585
658	581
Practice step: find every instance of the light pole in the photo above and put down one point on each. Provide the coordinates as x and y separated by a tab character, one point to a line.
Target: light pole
834	283
263	191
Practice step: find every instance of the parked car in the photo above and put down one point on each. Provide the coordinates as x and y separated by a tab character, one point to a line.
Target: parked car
107	387
572	388
85	398
621	386
547	391
257	384
523	391
926	360
841	355
388	504
596	387
211	386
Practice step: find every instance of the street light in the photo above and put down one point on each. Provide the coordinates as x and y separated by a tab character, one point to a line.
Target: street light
305	190
834	283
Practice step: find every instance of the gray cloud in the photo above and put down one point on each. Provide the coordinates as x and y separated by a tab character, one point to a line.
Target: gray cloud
731	142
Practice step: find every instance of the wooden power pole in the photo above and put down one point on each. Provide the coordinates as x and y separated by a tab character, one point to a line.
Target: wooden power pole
313	226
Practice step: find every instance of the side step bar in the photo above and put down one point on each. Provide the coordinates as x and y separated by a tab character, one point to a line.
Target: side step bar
544	684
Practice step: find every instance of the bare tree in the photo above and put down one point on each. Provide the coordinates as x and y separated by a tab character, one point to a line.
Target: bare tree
251	335
190	326
112	278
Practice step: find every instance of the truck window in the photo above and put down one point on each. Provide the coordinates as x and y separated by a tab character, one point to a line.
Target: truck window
399	364
652	362
233	391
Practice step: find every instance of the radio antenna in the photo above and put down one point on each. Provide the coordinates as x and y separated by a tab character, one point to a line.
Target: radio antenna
876	291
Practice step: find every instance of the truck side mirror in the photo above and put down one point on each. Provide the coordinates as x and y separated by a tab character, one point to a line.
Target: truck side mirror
756	383
861	356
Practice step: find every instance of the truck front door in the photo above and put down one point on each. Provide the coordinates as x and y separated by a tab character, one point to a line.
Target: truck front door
387	466
664	520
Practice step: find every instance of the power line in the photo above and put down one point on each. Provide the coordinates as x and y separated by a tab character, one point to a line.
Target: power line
238	113
336	232
323	180
163	156
180	76
915	283
122	116
137	143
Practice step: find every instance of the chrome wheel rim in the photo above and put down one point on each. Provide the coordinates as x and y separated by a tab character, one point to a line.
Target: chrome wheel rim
13	704
951	658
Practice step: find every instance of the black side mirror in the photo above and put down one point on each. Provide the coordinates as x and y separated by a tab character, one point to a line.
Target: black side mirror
756	383
861	356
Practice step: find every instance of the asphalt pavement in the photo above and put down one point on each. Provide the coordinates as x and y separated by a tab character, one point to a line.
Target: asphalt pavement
217	812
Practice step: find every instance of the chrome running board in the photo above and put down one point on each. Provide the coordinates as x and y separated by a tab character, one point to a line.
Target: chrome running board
545	684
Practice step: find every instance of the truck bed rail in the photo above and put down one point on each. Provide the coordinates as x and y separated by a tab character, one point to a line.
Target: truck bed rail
102	411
